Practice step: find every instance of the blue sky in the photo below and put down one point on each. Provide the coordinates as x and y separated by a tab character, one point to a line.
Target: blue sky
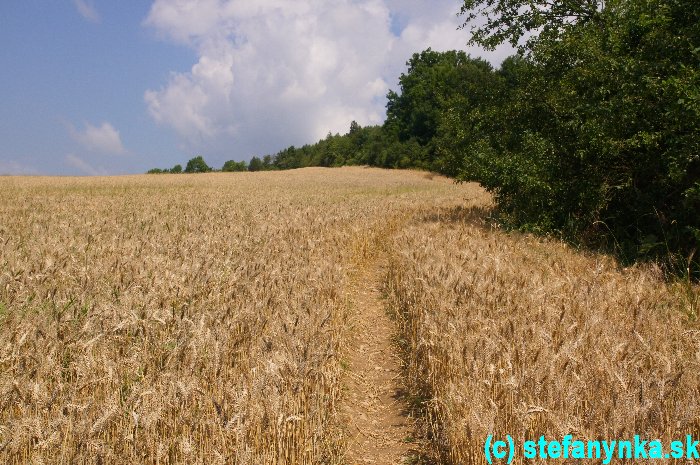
101	87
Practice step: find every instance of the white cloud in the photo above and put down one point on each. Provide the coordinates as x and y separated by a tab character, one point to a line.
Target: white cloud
275	72
84	167
104	139
87	10
13	167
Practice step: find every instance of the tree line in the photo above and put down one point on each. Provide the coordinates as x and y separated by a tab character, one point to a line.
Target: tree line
198	165
589	132
592	131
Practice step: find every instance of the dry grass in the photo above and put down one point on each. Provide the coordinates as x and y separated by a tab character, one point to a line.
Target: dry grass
184	319
507	334
203	319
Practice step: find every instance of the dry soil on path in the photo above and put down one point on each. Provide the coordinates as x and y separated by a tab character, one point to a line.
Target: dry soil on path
379	428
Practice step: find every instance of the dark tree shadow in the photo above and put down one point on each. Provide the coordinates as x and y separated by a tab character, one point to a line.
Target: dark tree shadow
481	216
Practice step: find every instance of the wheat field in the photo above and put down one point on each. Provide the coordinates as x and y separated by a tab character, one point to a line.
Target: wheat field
511	334
202	319
184	319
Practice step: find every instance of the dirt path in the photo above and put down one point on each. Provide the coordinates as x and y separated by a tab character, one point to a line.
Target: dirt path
378	426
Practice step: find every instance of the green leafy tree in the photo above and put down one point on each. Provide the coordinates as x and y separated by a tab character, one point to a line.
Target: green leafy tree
231	166
197	165
176	169
268	163
596	131
255	164
493	22
434	82
287	159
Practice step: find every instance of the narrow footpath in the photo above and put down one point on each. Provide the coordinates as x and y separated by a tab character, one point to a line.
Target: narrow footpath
379	430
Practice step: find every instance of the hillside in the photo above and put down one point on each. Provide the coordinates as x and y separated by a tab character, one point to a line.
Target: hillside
342	315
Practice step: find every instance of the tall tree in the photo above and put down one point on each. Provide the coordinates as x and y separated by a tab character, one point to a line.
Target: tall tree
433	82
255	164
601	139
494	22
197	165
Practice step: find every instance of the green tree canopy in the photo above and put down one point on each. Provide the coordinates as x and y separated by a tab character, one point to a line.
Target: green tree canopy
596	133
197	165
434	82
493	22
231	166
255	164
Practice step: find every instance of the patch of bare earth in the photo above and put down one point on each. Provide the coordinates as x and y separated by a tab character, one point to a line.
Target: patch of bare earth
378	427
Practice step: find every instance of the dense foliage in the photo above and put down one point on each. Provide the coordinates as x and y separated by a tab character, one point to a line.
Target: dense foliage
177	169
434	82
255	164
595	134
231	165
197	165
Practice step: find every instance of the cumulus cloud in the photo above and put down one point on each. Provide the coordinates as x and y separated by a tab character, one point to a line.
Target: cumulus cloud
103	138
275	72
13	167
87	10
84	167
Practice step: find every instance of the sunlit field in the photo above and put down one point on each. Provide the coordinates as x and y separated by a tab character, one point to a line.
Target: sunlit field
202	319
185	319
507	334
